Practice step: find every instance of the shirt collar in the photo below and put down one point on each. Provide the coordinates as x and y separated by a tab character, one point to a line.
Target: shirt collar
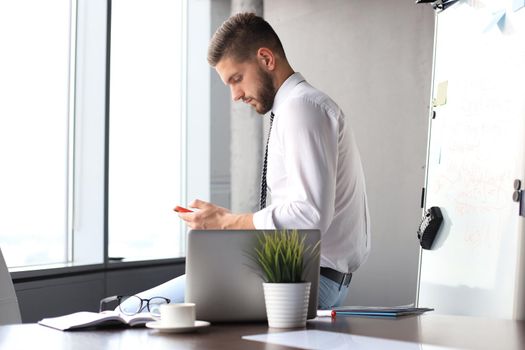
285	90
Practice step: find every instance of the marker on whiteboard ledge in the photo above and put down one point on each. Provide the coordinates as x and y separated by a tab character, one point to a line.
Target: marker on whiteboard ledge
180	209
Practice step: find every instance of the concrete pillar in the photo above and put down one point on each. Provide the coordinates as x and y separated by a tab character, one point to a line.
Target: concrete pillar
255	6
246	140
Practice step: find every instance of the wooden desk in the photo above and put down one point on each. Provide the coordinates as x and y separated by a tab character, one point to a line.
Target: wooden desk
452	331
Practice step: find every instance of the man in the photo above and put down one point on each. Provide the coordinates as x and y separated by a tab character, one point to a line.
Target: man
312	170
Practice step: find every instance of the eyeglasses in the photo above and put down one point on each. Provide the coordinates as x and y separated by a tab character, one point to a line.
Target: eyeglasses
132	304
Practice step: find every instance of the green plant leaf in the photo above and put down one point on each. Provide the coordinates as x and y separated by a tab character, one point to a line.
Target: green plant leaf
281	256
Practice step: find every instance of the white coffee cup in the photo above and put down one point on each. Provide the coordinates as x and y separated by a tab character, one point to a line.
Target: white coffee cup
177	315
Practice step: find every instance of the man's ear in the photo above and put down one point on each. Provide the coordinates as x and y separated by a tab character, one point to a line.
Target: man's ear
266	58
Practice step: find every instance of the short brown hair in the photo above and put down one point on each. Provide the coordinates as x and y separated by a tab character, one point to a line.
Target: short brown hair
240	36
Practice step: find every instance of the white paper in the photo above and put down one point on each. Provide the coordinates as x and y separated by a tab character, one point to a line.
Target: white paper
315	339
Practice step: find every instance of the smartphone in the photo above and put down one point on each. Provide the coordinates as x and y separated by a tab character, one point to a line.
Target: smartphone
179	209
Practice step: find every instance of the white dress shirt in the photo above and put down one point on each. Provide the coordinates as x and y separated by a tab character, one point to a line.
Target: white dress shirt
315	177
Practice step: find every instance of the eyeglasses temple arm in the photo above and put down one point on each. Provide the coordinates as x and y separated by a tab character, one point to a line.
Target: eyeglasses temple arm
107	300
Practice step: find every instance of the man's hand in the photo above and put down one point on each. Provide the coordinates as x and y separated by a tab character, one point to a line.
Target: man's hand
210	216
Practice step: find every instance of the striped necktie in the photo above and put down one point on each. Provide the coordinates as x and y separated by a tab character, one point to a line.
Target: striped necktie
265	165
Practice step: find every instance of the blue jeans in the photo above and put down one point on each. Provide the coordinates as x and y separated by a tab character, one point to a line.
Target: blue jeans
329	293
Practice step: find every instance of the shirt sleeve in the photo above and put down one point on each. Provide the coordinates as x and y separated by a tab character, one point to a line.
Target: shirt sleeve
307	136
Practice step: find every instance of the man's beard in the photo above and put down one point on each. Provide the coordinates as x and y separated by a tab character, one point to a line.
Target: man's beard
266	93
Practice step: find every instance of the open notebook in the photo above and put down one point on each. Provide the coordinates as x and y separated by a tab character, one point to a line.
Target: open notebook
85	319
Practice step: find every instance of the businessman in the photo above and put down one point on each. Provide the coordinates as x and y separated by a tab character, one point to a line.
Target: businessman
312	172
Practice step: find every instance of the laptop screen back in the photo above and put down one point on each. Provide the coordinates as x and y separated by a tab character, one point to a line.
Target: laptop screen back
223	280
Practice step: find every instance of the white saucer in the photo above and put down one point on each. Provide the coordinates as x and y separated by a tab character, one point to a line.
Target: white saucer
170	329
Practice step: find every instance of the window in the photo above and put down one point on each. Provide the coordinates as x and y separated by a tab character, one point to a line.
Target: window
77	185
145	143
34	131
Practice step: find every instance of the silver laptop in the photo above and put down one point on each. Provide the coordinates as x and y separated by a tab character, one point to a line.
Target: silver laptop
222	278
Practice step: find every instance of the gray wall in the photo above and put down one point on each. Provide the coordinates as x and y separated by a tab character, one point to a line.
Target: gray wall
374	58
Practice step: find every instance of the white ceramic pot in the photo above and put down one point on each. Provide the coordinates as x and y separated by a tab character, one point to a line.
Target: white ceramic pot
286	304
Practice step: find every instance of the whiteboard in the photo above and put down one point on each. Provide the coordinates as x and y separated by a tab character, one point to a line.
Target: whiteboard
476	151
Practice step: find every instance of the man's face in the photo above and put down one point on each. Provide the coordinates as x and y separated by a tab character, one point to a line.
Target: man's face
249	82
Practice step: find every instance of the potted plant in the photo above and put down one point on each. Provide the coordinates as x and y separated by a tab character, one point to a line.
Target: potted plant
281	257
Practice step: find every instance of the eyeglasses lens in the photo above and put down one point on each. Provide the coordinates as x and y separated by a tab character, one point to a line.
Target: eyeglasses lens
130	305
154	305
